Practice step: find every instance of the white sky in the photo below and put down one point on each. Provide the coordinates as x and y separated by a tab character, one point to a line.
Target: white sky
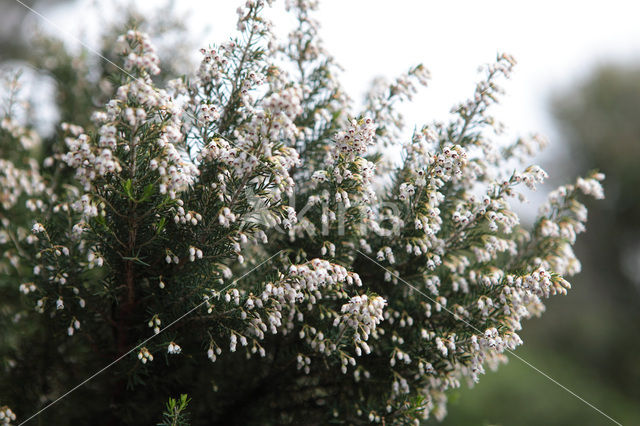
555	43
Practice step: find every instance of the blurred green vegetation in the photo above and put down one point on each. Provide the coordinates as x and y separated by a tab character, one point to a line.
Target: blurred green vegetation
518	395
589	340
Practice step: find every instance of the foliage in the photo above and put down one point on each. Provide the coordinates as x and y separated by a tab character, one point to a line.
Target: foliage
598	119
174	414
231	237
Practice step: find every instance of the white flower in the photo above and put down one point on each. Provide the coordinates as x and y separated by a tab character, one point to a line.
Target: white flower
38	228
406	191
27	288
173	348
6	415
144	355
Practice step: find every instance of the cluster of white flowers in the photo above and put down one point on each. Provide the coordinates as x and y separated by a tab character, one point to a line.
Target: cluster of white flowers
173	348
176	172
171	257
90	161
155	323
384	95
226	218
144	355
345	182
592	186
256	146
138	51
280	303
434	167
212	353
213	65
448	163
73	326
6	415
138	102
531	176
362	314
28	138
244	13
486	91
15	182
307	280
406	191
303	42
282	108
355	140
269	126
526	147
209	113
186	217
38	228
195	253
304	362
27	288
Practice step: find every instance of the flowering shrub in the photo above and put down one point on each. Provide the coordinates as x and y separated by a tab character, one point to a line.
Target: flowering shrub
235	236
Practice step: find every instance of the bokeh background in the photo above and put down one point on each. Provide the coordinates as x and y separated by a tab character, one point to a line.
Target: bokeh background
578	83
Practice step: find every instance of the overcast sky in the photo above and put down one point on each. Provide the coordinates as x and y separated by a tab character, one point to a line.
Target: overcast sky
555	42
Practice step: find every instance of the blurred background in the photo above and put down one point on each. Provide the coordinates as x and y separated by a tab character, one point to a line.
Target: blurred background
578	83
